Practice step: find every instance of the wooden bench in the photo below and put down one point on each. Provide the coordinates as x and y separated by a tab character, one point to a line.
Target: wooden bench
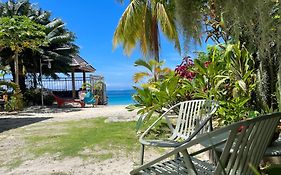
61	101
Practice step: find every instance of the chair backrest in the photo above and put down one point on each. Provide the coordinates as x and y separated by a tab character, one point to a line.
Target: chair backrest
246	145
190	116
244	142
89	97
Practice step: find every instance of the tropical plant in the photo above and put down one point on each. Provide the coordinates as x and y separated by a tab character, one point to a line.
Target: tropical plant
19	33
254	23
140	24
184	71
15	102
158	96
225	75
60	49
228	78
154	70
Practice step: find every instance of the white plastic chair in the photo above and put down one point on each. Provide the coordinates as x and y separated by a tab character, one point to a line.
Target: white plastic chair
244	144
194	115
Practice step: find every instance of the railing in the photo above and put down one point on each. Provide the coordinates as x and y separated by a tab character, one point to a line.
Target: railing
64	85
61	84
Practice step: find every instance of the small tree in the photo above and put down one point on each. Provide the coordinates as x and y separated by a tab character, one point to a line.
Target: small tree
19	33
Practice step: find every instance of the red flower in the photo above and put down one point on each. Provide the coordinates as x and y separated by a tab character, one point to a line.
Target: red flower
207	63
183	69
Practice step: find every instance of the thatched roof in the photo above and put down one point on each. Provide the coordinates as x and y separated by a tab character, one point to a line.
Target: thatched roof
81	65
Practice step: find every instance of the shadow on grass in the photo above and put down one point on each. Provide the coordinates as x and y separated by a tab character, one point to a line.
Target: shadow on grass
12	123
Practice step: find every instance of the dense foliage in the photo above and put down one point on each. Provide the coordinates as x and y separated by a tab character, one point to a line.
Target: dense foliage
32	36
60	46
15	100
225	75
254	23
18	33
242	71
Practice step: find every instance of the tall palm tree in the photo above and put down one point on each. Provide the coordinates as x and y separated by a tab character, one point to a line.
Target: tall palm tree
141	23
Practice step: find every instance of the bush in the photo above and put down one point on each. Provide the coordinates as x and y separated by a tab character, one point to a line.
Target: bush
15	102
33	97
48	100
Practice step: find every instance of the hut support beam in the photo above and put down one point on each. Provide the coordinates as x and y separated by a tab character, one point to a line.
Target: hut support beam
84	77
73	83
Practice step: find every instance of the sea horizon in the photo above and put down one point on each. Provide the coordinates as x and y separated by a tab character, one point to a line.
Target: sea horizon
120	97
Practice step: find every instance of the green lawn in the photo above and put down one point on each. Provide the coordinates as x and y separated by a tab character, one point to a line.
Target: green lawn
85	138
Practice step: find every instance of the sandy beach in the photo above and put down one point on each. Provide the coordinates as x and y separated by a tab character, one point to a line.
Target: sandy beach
37	119
11	140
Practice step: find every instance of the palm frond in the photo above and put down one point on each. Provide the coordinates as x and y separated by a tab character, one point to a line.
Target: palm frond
167	24
143	63
139	76
127	28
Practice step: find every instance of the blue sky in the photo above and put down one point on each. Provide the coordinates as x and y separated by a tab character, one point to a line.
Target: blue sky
93	23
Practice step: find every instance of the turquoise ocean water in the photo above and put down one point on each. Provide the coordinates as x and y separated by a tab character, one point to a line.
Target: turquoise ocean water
120	97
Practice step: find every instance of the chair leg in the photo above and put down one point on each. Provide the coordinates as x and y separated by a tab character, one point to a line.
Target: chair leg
142	154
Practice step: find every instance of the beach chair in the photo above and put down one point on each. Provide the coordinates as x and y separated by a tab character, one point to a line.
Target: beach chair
61	101
89	98
194	115
244	143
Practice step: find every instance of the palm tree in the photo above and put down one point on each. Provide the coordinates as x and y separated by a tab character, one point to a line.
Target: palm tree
140	24
60	49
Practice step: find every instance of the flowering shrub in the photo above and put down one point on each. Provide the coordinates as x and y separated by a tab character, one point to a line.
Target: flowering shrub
184	69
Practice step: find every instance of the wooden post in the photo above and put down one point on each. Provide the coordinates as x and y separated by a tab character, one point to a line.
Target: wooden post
16	62
73	83
84	77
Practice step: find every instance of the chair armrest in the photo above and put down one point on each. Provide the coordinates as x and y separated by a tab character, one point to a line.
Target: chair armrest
216	105
156	121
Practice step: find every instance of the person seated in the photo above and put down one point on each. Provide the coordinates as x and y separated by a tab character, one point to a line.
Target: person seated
82	93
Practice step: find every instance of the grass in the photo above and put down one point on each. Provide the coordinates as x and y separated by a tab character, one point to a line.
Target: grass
15	163
84	138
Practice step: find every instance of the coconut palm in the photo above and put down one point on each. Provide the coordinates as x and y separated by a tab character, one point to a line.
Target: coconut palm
60	49
141	23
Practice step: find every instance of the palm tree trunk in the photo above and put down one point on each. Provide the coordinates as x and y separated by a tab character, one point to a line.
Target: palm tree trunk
155	38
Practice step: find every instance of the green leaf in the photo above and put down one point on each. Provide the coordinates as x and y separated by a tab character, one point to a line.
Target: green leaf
242	85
